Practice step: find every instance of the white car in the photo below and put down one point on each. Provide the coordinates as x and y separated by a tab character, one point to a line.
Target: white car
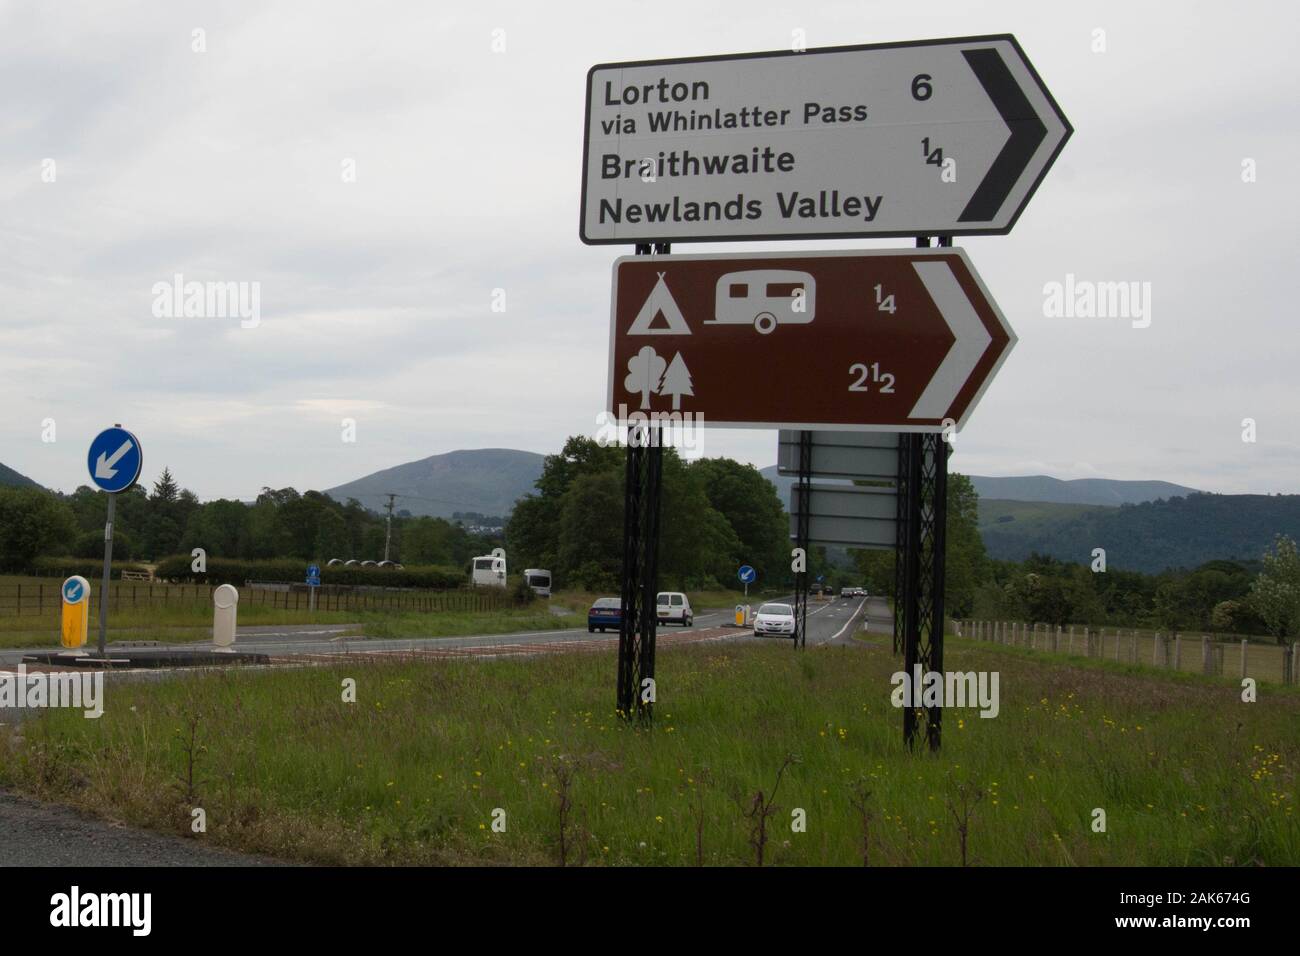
674	608
774	619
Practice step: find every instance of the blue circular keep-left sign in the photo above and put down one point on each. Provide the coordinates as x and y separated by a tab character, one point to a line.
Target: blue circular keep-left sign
75	589
746	574
115	460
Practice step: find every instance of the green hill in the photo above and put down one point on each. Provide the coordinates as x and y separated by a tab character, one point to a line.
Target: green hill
484	480
11	479
1151	536
1076	491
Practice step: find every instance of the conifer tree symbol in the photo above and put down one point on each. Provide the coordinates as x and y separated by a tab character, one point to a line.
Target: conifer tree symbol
676	381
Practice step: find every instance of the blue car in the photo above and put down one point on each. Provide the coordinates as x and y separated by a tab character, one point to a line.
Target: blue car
606	612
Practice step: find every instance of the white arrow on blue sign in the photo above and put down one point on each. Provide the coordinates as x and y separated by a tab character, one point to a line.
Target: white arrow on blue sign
74	589
115	460
313	575
747	574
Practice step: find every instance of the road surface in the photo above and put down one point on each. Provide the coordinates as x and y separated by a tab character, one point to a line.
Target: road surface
828	623
38	834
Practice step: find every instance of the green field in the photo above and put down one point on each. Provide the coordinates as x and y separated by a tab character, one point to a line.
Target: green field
412	771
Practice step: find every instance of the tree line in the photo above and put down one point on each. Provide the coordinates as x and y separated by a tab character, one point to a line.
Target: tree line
1225	597
717	514
150	525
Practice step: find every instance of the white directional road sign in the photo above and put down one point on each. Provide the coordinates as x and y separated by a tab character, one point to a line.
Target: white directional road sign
842	454
848	515
937	137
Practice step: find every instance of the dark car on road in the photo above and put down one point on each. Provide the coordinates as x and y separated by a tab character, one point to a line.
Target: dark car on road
606	612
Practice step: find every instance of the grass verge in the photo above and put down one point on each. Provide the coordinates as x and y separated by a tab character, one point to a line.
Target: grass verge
430	755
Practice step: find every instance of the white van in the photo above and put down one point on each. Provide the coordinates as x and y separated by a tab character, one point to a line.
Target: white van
489	571
539	579
674	608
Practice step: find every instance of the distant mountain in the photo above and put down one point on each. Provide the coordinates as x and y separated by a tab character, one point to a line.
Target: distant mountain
1143	525
1076	491
486	480
11	479
1152	536
1146	526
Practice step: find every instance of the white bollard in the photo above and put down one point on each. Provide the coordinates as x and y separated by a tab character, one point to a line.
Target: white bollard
226	600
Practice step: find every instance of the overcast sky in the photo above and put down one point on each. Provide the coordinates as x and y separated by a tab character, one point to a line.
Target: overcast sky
376	295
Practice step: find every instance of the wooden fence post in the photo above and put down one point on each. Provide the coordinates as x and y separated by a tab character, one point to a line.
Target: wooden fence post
1178	651
1244	644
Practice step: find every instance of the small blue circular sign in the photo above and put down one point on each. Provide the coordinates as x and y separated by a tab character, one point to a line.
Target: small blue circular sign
115	460
747	574
75	589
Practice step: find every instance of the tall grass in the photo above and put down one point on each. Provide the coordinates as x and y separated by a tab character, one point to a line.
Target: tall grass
413	771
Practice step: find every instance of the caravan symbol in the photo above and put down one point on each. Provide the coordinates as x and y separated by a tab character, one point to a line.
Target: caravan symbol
765	297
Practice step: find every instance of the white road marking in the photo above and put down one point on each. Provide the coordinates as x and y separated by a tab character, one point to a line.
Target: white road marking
848	622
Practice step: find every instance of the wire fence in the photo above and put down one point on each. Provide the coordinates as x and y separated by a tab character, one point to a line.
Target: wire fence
40	599
1213	655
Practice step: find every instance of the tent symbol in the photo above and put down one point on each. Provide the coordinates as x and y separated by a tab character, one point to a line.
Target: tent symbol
659	302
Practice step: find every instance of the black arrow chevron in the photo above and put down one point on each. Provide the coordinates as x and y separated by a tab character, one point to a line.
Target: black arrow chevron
1027	132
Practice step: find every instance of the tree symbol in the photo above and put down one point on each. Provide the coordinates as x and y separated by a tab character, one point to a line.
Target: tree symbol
643	373
677	381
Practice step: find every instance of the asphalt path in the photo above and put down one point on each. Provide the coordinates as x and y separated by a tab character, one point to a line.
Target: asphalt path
305	639
39	834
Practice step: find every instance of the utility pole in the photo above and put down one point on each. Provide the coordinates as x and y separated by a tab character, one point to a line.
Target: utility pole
388	535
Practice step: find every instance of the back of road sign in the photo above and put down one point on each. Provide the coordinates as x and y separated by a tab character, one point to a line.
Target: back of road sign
842	454
848	515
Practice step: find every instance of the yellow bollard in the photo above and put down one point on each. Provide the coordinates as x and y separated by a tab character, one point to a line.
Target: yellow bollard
76	612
